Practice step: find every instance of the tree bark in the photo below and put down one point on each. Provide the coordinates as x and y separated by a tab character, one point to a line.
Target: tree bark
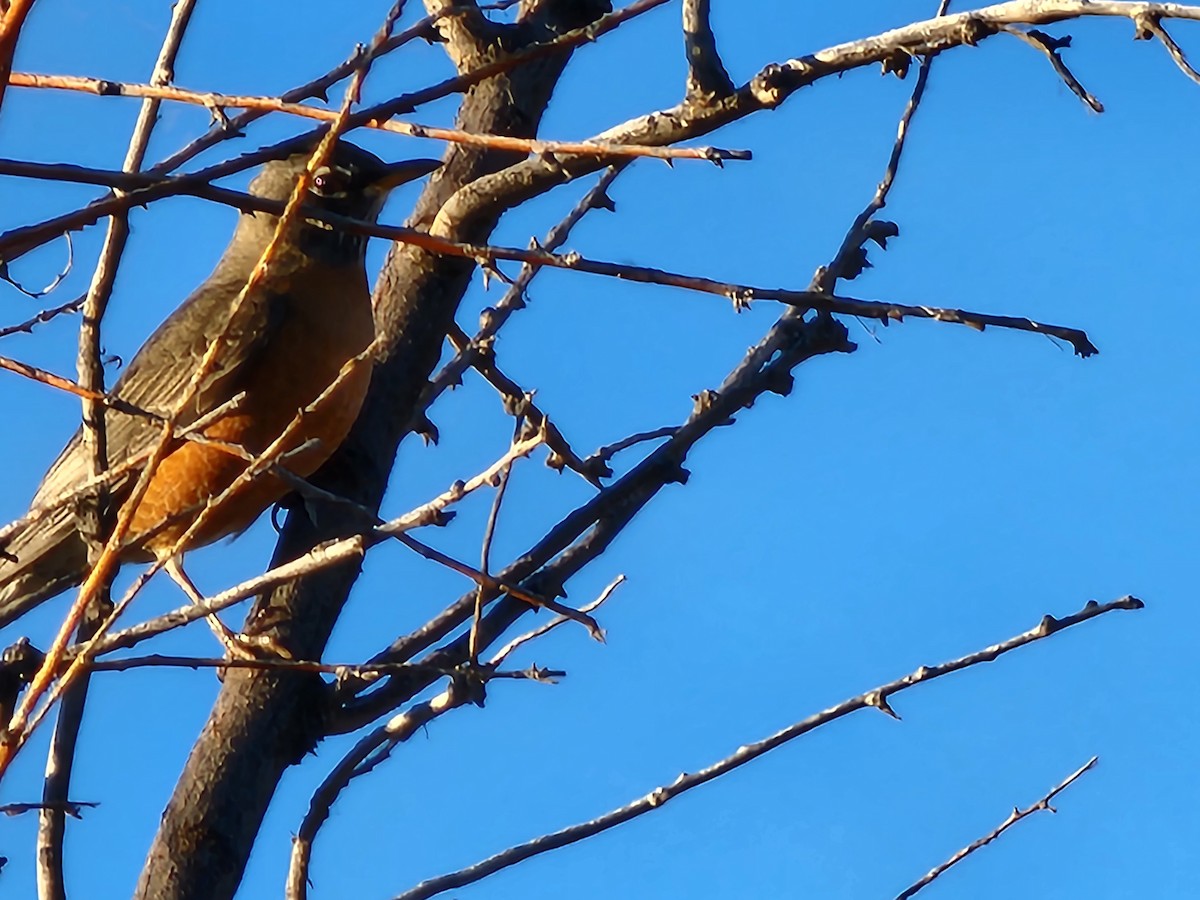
264	722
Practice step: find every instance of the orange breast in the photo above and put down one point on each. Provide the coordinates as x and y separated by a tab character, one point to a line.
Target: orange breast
325	326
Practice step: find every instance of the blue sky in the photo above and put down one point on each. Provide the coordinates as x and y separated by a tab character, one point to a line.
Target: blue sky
935	492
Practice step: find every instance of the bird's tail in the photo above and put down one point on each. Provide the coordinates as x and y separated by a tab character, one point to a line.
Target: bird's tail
39	560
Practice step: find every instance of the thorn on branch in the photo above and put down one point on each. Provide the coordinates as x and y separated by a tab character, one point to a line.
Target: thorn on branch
703	401
1049	624
741	299
779	380
897	63
1049	41
469	685
676	474
767	87
487	318
543	675
426	430
601	200
878	699
219	116
851	264
556	461
879	231
516	405
975	30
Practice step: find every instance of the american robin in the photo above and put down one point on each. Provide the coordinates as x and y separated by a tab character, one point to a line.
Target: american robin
287	344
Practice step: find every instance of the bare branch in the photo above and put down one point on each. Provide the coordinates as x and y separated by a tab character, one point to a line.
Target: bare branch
877	698
374	748
321	557
601	458
767	90
1148	25
26	327
850	258
707	78
585	532
161	661
73	808
476	351
504	652
93	514
54	282
1013	818
491	585
739	294
216	101
14	14
234	125
485	552
1050	46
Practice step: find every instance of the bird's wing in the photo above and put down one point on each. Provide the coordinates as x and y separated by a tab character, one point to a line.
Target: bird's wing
42	559
159	373
49	554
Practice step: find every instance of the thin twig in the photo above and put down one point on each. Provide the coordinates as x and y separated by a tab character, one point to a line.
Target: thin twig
275	663
517	401
846	263
1013	818
71	808
1149	24
603	456
215	101
50	288
485	553
477	351
93	513
1050	46
566	41
234	125
320	557
585	532
10	30
504	652
492	584
765	91
22	240
26	327
740	295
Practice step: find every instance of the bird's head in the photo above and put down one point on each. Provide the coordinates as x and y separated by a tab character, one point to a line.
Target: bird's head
352	183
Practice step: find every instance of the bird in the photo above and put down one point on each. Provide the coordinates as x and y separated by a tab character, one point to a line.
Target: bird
279	353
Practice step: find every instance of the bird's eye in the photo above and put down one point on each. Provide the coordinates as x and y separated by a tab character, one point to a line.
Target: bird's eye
329	183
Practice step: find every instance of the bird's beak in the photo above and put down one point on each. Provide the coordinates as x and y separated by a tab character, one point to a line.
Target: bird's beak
397	174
